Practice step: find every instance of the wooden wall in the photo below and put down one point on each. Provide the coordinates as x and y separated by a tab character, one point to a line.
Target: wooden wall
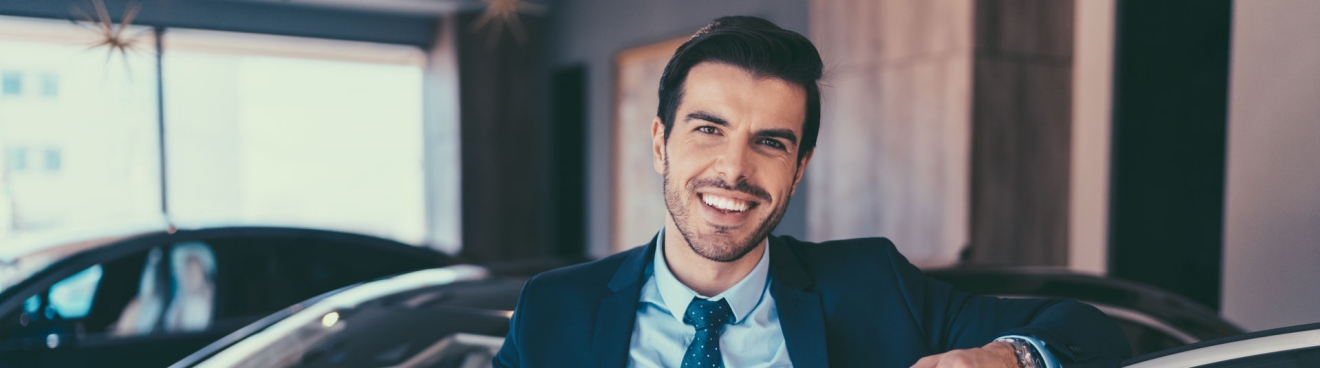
503	151
946	123
892	158
1021	132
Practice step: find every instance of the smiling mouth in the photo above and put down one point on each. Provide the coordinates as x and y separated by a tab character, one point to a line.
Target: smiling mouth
726	204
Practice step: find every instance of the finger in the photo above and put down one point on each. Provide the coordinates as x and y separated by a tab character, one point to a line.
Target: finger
928	362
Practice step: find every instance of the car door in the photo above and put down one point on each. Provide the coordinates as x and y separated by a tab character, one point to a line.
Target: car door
170	295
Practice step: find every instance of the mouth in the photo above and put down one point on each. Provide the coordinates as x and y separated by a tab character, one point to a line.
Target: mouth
726	205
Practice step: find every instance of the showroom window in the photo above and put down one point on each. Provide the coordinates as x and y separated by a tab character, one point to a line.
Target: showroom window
259	129
100	112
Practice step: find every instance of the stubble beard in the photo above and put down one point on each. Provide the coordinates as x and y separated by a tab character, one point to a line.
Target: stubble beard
712	249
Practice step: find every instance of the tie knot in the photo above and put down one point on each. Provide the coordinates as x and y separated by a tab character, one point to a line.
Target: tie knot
702	313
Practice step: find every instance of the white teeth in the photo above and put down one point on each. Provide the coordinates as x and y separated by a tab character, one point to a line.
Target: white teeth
727	204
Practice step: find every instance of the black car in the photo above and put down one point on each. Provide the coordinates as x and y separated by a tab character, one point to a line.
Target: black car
150	299
1152	319
457	317
1287	347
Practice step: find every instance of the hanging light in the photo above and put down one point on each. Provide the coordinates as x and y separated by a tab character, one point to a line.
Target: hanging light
502	13
109	34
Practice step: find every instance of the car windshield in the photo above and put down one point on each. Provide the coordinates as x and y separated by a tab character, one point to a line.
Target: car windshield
457	324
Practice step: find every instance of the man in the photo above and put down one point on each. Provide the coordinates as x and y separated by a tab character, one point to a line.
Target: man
737	122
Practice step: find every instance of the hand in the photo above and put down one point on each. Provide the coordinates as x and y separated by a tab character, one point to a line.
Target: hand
996	354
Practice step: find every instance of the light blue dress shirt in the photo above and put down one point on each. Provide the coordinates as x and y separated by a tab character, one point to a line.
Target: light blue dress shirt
660	338
753	339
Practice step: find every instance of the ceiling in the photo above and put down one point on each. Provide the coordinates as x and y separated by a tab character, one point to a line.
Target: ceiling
410	7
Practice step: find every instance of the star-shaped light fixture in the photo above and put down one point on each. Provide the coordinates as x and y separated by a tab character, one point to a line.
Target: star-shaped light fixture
500	13
109	34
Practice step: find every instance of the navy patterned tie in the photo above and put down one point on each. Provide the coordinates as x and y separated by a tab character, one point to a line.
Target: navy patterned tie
708	317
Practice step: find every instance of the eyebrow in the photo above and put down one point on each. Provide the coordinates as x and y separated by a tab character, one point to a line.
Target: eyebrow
702	115
785	134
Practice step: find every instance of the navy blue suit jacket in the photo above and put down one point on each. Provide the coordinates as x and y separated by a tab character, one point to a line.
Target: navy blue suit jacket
848	303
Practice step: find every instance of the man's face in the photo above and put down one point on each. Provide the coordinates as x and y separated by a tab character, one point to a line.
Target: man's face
731	160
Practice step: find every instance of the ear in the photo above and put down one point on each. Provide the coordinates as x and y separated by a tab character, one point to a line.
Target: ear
658	145
801	170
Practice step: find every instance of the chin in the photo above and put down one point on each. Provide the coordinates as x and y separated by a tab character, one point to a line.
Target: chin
722	244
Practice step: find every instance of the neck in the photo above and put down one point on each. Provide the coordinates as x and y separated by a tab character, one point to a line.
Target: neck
704	276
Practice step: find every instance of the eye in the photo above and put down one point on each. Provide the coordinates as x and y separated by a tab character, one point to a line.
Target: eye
772	143
707	129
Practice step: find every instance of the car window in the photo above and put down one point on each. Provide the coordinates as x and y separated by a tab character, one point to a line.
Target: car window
75	305
192	303
174	294
140	314
164	289
1299	358
72	297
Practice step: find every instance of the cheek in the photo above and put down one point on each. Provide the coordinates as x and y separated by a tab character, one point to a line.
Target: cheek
686	161
781	177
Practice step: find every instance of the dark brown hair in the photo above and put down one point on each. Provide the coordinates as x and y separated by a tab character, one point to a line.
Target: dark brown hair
757	46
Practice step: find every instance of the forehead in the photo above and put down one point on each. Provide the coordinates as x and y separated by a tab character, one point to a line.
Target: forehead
738	96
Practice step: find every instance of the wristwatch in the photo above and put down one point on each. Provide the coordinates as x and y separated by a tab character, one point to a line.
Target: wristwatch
1027	355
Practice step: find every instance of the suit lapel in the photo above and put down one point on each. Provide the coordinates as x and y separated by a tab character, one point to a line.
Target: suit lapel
618	310
800	313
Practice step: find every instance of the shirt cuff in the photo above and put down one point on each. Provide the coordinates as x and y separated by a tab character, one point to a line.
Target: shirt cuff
1039	345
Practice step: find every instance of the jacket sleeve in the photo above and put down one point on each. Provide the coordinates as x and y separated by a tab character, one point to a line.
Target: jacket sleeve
1078	335
510	355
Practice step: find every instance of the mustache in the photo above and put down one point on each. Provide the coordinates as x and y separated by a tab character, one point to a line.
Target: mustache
742	186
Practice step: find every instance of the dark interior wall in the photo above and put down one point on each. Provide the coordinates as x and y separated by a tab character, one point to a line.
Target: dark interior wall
1171	73
591	32
1021	132
503	162
568	174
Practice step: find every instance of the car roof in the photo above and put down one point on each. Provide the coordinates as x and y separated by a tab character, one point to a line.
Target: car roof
90	236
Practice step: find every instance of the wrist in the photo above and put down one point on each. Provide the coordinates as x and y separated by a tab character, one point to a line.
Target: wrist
1005	351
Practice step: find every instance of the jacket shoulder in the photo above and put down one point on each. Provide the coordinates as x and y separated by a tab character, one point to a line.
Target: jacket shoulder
559	302
873	262
862	249
588	276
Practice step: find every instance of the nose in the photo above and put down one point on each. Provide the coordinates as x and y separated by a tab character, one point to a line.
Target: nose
734	165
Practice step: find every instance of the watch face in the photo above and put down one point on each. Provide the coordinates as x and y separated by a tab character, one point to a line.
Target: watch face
1027	356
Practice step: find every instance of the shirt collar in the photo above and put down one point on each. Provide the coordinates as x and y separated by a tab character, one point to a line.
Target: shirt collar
742	297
